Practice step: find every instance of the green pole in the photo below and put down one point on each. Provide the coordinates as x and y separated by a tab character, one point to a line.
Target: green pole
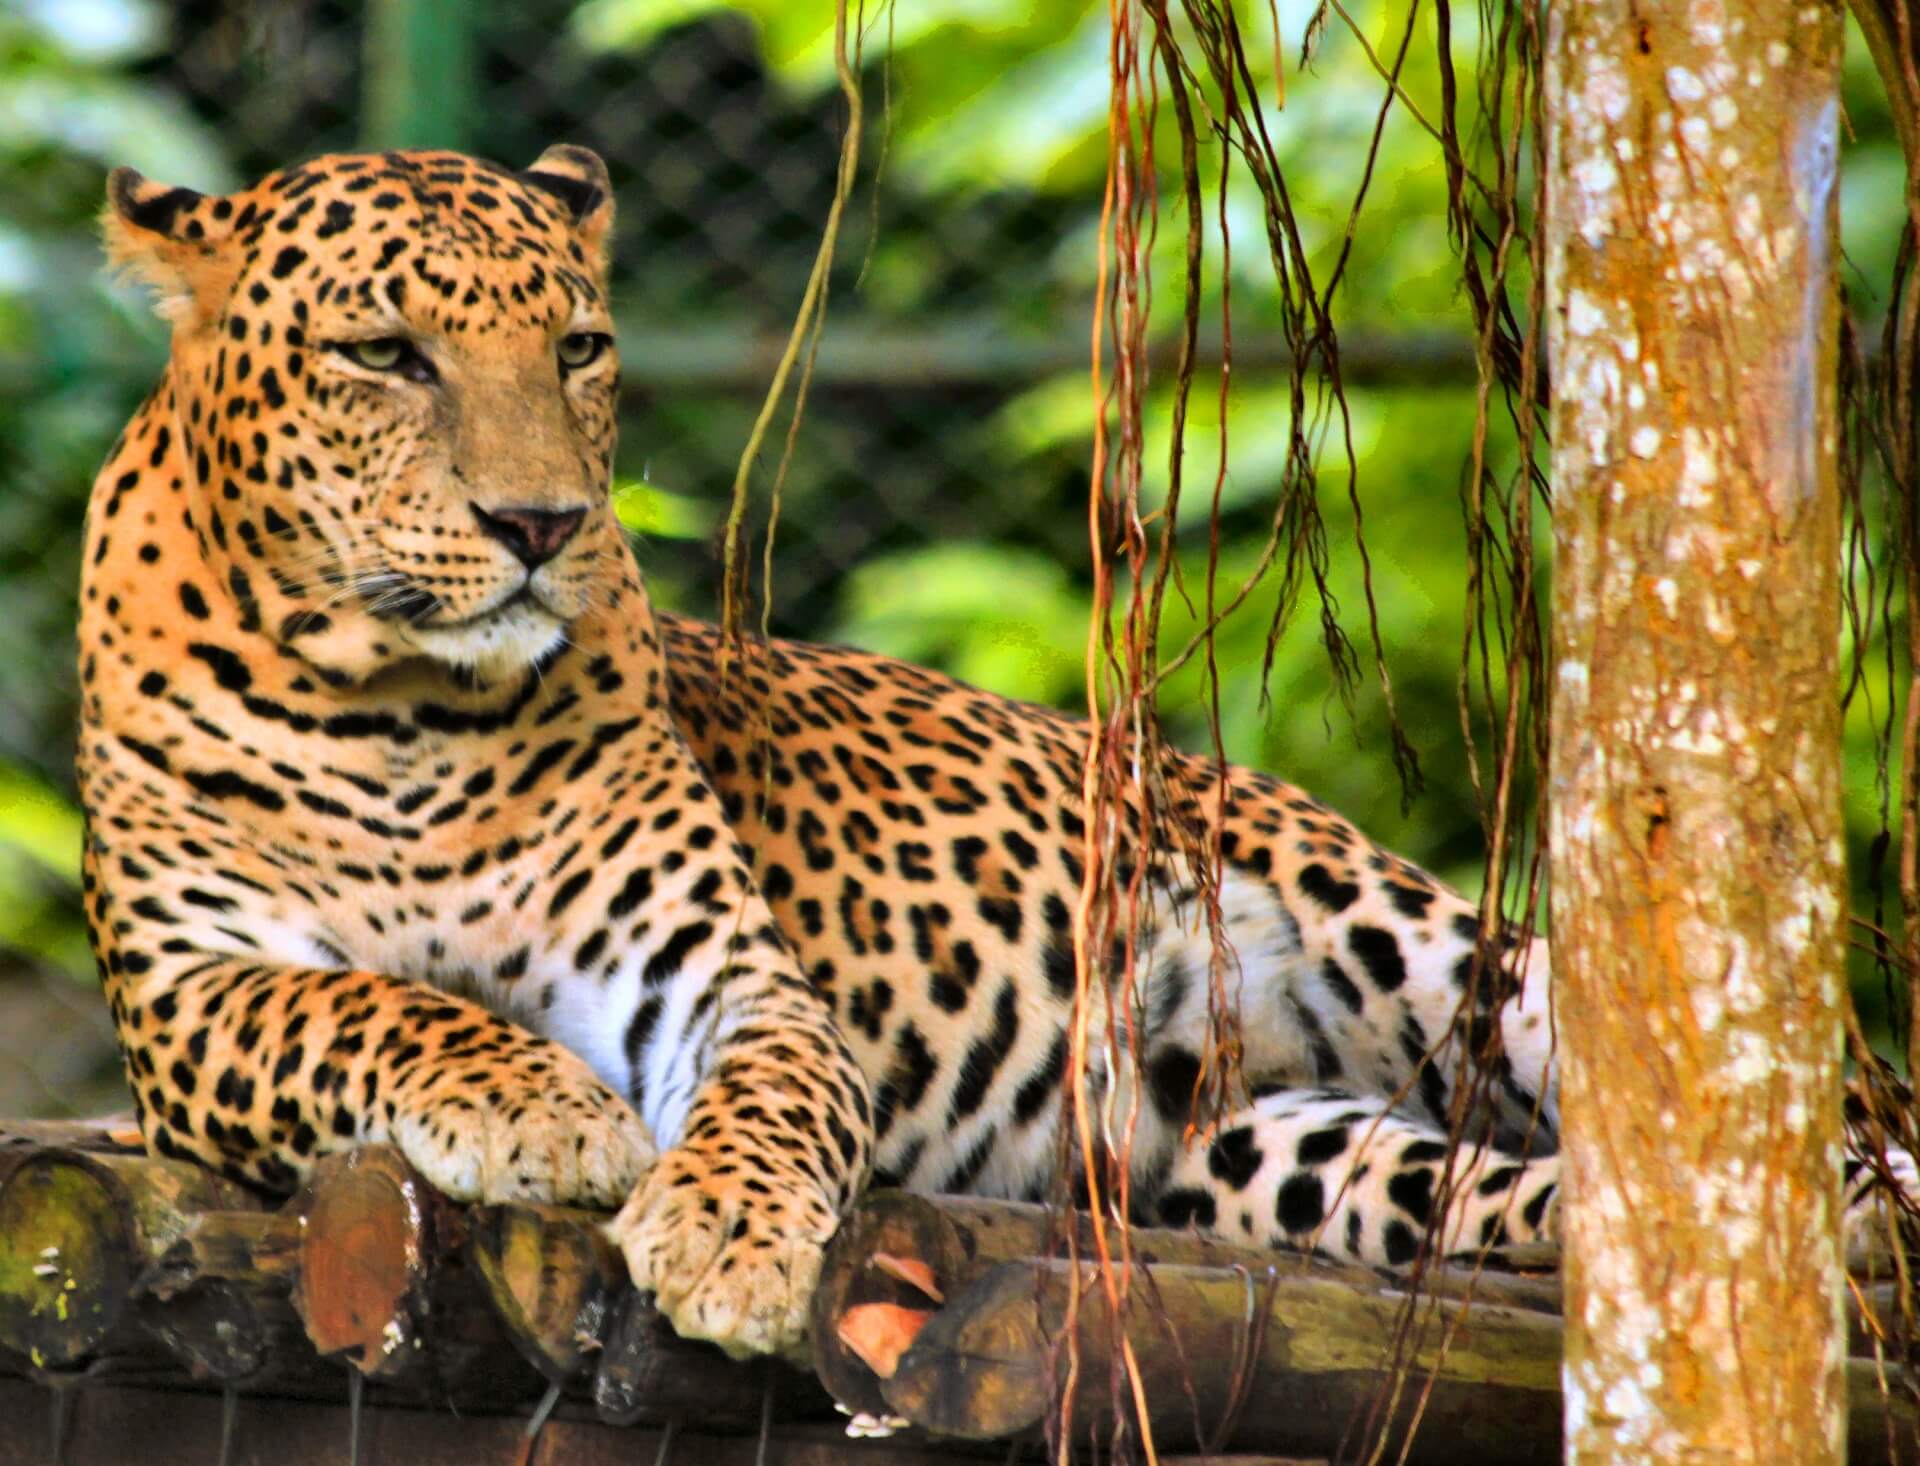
420	73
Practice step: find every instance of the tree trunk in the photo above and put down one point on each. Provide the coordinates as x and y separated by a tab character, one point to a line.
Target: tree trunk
1698	894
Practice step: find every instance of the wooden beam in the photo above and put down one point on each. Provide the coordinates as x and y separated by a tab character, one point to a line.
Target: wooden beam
981	353
155	1267
109	1425
1212	1341
159	1275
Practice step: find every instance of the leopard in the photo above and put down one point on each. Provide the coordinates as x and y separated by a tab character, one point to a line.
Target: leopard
411	821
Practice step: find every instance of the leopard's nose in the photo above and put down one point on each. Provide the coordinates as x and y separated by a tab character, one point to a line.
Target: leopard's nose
534	535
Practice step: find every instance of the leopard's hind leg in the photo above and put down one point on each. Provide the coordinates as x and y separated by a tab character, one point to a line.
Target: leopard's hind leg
1349	1177
1344	1174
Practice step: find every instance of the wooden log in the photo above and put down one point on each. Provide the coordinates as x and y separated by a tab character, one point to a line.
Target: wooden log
20	1140
1206	1337
173	1276
114	1134
958	1239
157	1269
895	1224
548	1275
560	1289
1006	1231
219	1298
647	1373
986	1232
150	1267
155	1266
76	1232
218	1332
1202	1336
66	1259
383	1280
371	1236
554	1278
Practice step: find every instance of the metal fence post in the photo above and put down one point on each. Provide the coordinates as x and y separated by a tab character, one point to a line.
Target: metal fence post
420	73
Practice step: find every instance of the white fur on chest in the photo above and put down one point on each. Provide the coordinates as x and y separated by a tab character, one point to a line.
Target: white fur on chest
462	935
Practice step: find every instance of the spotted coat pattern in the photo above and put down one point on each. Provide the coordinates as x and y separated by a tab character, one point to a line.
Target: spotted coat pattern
409	821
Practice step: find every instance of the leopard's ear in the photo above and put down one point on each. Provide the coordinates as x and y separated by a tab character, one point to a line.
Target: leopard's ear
170	239
578	179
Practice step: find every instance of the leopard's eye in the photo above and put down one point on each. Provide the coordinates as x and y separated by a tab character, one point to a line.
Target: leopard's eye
582	348
393	354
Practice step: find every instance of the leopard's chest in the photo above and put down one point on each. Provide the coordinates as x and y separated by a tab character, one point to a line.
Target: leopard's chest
425	866
437	856
484	935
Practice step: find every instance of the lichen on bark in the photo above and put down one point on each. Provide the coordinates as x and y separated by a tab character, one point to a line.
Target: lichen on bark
1695	779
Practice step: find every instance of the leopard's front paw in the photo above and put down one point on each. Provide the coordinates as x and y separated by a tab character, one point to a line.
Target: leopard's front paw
726	1263
556	1135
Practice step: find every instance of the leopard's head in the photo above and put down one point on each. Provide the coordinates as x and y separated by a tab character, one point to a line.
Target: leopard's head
393	381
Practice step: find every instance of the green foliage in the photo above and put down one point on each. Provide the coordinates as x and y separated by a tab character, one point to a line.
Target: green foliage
76	354
66	97
656	513
994	615
987	213
39	864
982	103
1015	620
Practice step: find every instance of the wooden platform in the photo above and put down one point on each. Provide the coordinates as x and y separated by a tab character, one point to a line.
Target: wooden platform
150	1312
108	1425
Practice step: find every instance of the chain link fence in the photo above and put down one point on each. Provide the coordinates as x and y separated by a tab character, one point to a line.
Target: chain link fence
933	437
723	178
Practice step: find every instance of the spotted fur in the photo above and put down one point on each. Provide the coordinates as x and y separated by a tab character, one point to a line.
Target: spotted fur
410	821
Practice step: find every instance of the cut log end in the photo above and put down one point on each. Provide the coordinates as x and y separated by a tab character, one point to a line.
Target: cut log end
66	1257
880	1333
892	1256
553	1277
364	1255
913	1271
980	1368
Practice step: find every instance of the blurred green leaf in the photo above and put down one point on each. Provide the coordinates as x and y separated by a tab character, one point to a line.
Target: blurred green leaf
97	32
657	513
990	614
110	121
40	836
39	824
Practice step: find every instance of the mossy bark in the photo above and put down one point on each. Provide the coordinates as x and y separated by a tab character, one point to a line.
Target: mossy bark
1698	893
